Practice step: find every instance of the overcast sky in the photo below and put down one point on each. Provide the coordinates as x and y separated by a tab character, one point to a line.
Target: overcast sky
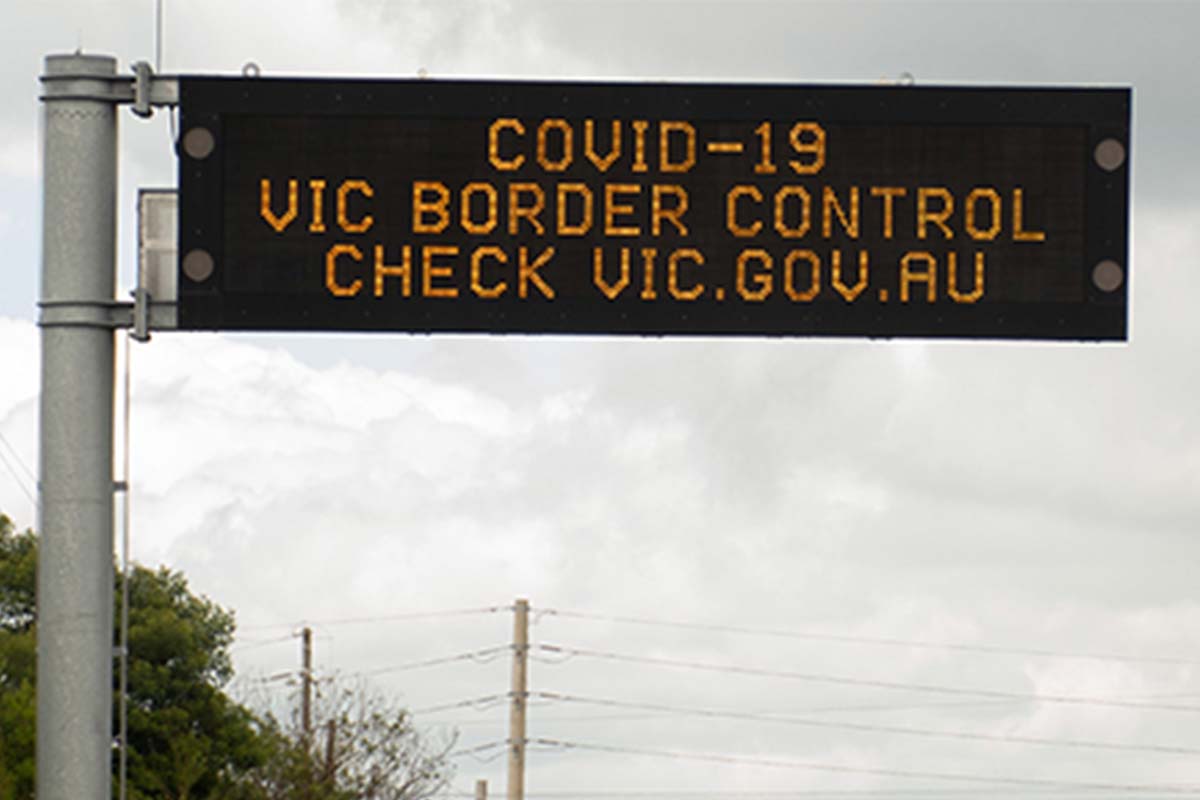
1012	527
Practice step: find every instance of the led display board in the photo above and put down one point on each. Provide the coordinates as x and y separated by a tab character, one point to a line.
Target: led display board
653	209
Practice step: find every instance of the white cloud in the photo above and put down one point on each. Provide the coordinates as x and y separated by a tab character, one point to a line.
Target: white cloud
19	159
928	492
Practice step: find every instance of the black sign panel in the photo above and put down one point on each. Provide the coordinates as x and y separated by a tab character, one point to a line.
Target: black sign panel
653	209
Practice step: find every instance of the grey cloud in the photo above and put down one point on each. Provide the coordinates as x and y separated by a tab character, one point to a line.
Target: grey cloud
964	492
1146	45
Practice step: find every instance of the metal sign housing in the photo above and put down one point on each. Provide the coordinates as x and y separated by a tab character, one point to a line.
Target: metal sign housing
653	209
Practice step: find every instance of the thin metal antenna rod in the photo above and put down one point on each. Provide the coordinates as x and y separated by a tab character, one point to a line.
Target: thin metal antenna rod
123	694
158	36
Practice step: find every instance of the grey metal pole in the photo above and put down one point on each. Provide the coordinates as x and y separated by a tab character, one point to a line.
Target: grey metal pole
75	565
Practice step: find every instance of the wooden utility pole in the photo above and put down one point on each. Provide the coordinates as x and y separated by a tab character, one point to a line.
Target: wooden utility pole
520	696
307	684
331	752
481	790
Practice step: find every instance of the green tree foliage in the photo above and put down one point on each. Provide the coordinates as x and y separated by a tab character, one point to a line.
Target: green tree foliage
377	753
362	747
187	739
18	652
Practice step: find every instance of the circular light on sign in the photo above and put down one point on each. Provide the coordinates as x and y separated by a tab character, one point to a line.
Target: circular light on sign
1108	276
199	143
198	266
1110	155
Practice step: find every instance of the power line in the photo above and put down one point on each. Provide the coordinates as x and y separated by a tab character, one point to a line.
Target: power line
590	718
17	478
479	656
878	771
870	728
253	644
287	675
17	457
399	617
478	703
863	682
483	748
883	641
481	703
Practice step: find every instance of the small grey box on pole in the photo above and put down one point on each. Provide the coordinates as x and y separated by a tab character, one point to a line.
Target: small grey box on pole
75	560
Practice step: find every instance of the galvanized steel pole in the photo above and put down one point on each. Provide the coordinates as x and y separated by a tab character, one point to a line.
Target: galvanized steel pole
75	564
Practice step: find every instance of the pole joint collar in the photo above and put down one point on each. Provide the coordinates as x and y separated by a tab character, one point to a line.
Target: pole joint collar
85	314
144	90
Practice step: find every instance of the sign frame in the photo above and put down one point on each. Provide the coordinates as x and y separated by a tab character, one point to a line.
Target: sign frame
210	104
